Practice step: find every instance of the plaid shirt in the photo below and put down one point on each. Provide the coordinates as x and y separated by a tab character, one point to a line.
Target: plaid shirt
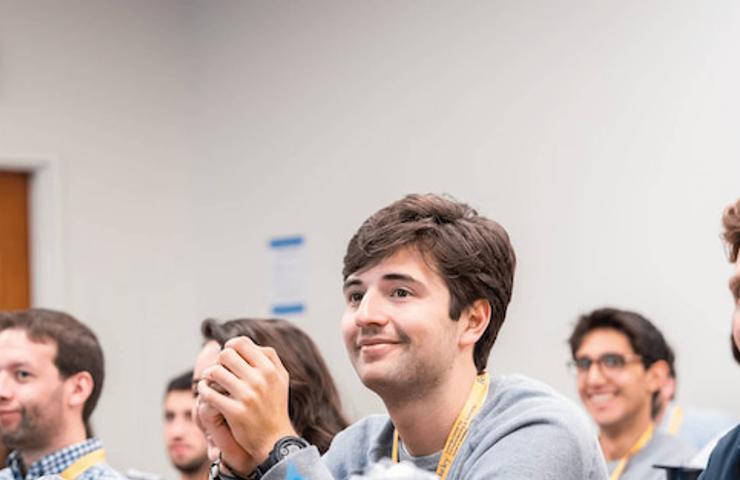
55	463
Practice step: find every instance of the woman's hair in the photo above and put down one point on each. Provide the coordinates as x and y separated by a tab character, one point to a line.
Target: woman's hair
313	400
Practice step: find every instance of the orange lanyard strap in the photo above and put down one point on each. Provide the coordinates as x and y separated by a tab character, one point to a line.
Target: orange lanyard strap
676	420
641	442
460	428
83	463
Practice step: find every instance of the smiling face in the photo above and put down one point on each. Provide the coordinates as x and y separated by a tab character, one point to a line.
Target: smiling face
32	392
615	398
396	325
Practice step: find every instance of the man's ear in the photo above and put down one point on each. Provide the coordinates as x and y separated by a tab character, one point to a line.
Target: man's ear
474	321
658	375
79	387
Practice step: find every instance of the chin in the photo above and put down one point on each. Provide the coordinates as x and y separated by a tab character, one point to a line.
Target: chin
606	421
372	377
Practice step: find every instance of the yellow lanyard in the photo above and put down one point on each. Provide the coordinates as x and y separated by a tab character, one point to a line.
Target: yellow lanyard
674	424
643	440
460	428
83	463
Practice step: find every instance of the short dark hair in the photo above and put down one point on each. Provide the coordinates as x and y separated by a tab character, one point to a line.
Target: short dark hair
184	381
314	406
472	254
78	349
644	337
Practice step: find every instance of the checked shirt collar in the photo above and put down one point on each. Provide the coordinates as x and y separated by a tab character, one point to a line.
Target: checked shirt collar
53	463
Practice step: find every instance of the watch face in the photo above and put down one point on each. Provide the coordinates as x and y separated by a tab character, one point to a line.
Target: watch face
289	445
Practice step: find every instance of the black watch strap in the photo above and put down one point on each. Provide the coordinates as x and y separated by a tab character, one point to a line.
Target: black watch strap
283	447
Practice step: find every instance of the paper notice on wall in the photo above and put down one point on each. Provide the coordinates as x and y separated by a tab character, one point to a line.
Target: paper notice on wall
289	275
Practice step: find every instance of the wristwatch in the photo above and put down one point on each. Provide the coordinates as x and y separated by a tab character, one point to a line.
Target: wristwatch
283	447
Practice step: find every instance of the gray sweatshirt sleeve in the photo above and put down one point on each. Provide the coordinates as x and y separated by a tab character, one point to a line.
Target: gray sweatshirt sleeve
526	430
545	451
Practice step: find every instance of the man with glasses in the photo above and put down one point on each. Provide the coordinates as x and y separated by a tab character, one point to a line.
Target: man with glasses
621	361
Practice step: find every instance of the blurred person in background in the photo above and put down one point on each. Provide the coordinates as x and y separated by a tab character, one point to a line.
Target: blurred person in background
314	405
699	427
51	376
186	444
621	361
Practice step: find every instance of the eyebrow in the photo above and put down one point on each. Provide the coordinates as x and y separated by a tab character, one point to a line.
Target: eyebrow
21	363
392	277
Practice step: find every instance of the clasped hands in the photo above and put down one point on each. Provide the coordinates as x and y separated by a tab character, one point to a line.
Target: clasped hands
242	404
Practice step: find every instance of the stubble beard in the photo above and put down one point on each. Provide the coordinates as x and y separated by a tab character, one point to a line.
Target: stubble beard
192	466
410	378
29	434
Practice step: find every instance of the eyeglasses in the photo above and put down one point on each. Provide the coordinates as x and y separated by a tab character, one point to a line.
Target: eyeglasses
607	363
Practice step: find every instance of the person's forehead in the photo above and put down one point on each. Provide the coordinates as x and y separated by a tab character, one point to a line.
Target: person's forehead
207	357
605	340
408	260
179	400
17	346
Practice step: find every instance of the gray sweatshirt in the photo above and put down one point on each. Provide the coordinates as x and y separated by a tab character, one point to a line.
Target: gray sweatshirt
525	430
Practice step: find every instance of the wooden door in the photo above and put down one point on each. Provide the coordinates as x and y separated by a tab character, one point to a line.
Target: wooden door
15	291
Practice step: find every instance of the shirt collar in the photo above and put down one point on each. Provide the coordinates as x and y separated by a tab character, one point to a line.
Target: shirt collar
55	462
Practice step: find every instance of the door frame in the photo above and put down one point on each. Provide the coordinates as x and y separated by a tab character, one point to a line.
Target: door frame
46	226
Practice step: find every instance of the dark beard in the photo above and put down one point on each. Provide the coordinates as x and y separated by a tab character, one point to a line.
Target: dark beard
194	466
25	435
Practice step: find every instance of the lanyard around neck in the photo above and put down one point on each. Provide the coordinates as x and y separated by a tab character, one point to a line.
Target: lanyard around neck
674	423
641	442
83	463
460	428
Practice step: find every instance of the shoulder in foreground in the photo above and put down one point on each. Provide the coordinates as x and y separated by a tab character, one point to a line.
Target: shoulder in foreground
526	429
726	455
518	395
520	409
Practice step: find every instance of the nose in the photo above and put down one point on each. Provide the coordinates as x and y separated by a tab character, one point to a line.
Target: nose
177	428
5	390
371	310
594	374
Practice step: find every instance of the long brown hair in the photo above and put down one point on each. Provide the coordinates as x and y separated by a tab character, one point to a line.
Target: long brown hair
314	406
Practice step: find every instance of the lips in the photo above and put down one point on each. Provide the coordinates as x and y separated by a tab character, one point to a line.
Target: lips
374	341
8	417
178	448
374	348
601	403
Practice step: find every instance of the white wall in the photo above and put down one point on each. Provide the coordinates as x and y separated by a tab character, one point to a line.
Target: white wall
602	135
101	90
